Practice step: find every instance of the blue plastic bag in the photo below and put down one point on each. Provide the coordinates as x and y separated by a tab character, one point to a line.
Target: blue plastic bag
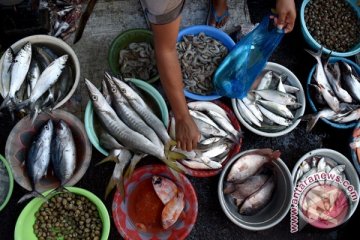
237	72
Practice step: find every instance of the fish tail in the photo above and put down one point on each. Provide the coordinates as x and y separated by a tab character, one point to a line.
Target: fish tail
59	189
229	188
312	120
110	158
110	186
5	103
133	162
31	195
24	104
316	55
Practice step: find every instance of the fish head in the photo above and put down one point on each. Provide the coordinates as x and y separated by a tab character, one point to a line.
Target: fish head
62	128
63	59
94	93
27	47
9	55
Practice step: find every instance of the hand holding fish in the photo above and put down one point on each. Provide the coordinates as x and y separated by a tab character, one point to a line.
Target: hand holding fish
187	133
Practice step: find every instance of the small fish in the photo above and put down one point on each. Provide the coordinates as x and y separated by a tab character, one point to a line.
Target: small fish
277	108
276	96
207	106
305	167
321	165
259	199
334	75
348	117
172	210
6	72
290	89
351	82
165	188
247	114
253	108
273	117
265	82
312	119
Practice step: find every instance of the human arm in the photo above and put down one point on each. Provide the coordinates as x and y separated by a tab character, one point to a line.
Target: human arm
187	133
286	14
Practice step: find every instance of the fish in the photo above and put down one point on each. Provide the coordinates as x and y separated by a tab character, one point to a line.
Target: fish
330	98
130	139
334	75
235	135
32	76
172	210
348	117
275	118
123	158
47	79
243	190
351	82
305	167
321	165
165	188
253	108
129	116
259	199
6	72
18	73
109	142
201	164
276	96
204	106
277	108
206	126
142	109
290	89
249	164
266	81
63	153
38	158
248	115
312	119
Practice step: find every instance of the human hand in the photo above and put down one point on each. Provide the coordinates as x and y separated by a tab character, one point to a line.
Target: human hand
187	133
286	15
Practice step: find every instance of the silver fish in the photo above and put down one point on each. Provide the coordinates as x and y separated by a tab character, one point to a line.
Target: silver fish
277	119
235	135
202	164
320	76
334	76
63	153
321	165
32	76
247	114
142	109
18	73
290	89
276	96
330	98
206	126
306	175
312	119
109	142
350	81
6	73
38	158
281	87
203	106
122	133
253	108
305	167
47	79
338	170
348	117
250	163
265	82
259	199
127	114
277	108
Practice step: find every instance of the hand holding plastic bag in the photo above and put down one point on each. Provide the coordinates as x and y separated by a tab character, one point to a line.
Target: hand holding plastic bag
237	72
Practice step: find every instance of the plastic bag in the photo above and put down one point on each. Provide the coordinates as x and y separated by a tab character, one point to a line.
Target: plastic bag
237	72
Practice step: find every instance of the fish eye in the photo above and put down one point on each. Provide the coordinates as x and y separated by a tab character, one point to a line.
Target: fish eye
94	98
123	90
113	89
47	127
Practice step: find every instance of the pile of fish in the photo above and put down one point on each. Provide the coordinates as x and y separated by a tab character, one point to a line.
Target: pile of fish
326	200
53	146
132	130
34	79
250	182
271	107
138	61
171	197
336	91
199	57
317	164
218	136
63	16
4	182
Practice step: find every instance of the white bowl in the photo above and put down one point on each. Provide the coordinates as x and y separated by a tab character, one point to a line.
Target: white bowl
294	81
350	173
59	47
273	212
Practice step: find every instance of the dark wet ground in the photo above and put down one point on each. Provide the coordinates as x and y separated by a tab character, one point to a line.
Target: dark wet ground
212	223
